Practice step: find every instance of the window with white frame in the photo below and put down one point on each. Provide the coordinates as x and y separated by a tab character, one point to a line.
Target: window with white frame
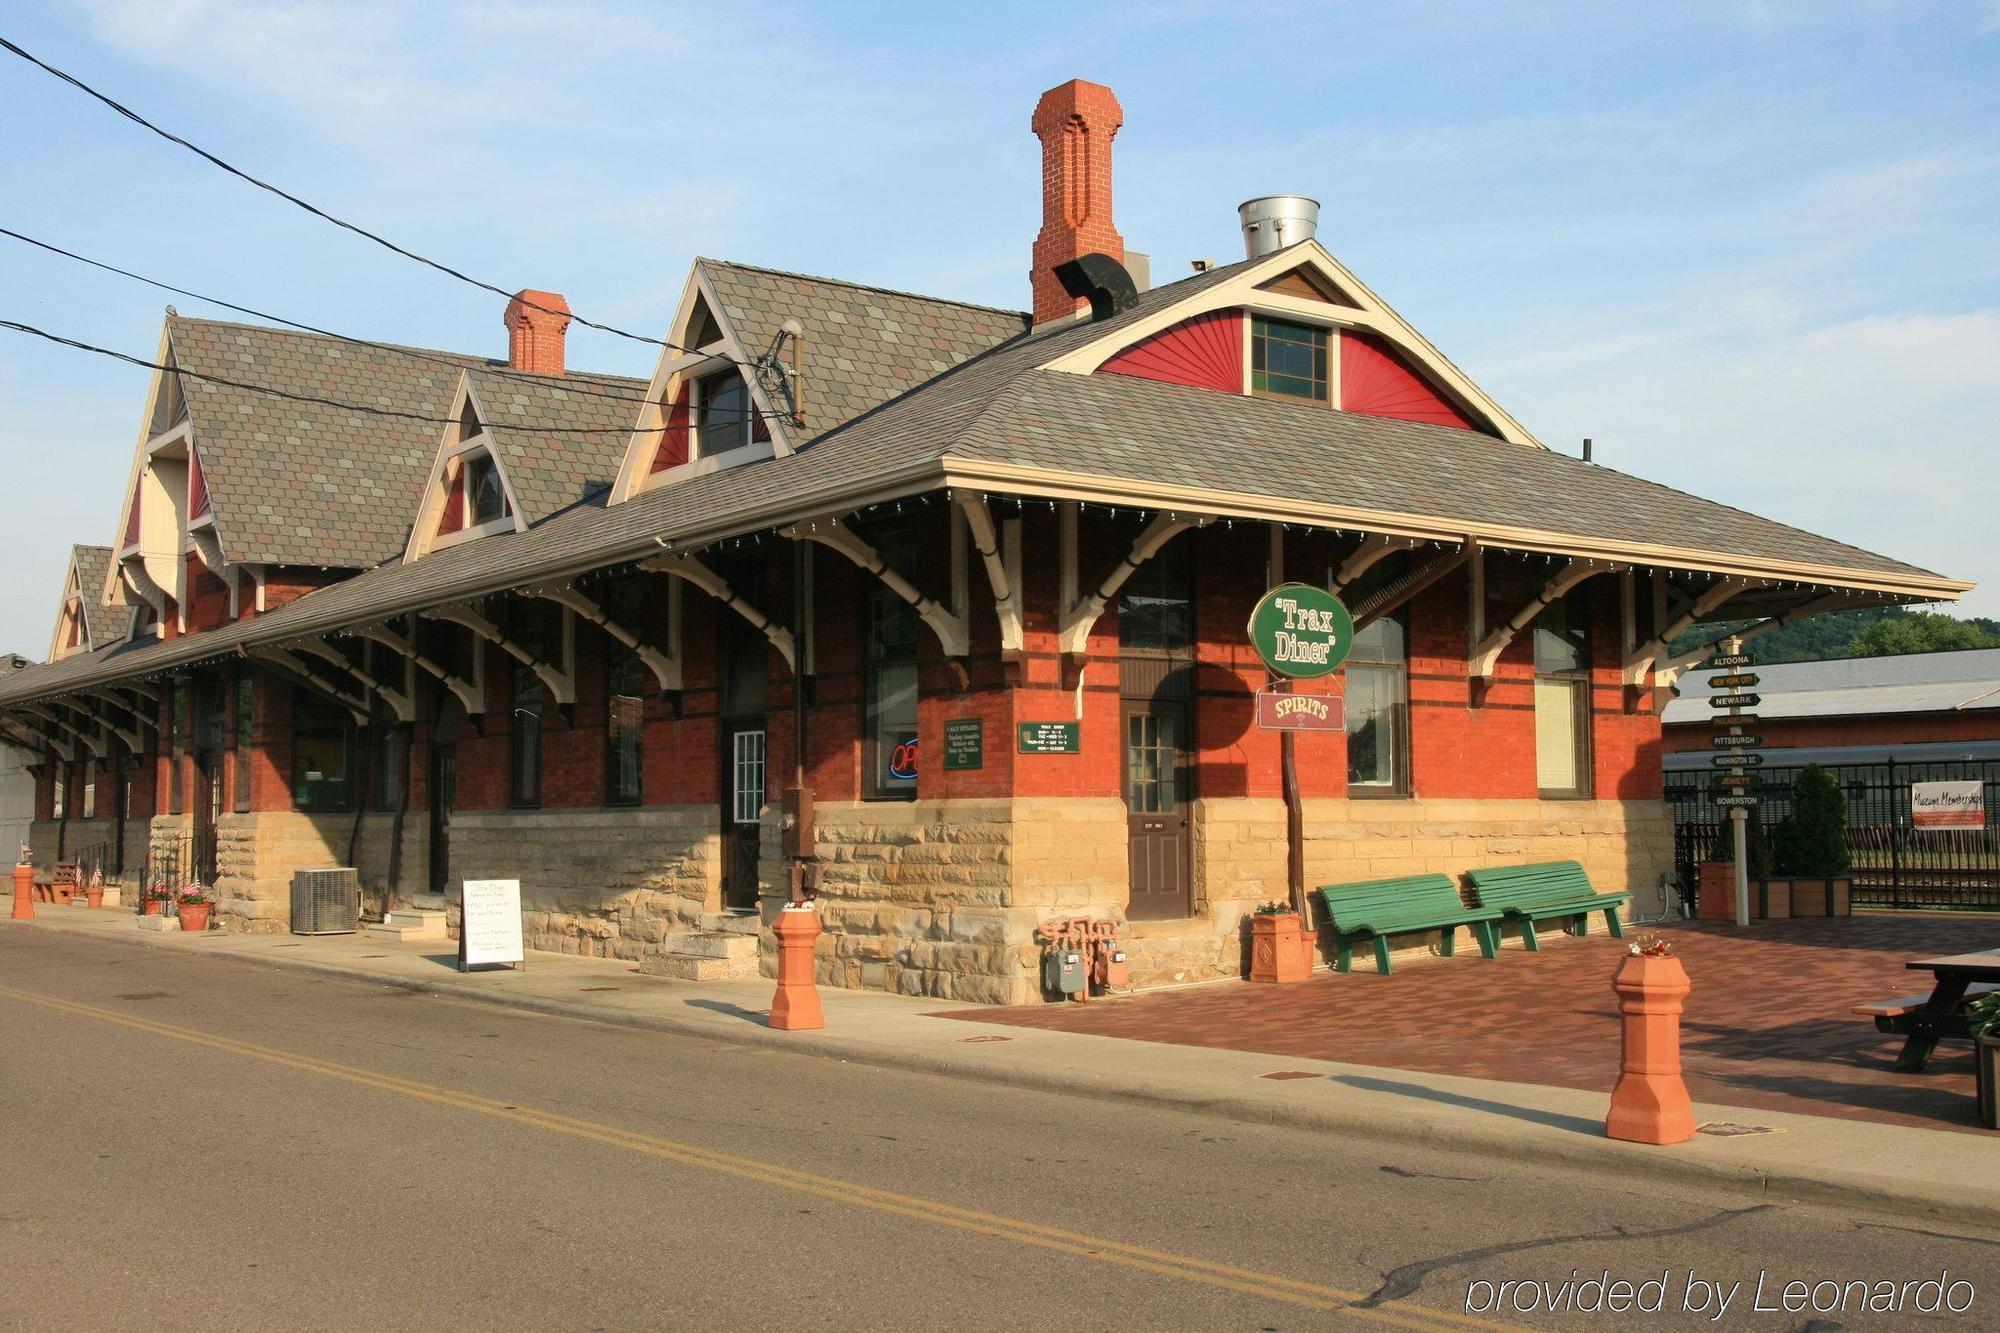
722	412
746	786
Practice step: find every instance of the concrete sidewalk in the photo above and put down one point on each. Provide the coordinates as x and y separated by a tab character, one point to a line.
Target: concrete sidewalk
1925	1173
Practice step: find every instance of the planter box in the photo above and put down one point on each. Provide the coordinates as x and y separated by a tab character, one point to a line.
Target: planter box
1281	949
1985	1065
1771	899
1715	891
1822	895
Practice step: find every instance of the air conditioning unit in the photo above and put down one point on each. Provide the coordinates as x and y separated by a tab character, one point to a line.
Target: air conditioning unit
326	902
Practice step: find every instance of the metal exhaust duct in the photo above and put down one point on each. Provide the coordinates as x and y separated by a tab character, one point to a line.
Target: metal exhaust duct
1274	221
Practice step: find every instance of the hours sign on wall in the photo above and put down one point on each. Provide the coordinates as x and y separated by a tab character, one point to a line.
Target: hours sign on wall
1301	631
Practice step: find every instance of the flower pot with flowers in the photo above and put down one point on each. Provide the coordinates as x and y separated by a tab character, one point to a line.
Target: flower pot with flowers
153	900
194	907
1281	948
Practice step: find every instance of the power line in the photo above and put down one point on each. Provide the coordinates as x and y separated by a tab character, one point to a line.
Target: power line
289	396
321	213
410	352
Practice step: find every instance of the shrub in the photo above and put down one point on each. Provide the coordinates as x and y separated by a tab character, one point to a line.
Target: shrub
1754	841
1812	839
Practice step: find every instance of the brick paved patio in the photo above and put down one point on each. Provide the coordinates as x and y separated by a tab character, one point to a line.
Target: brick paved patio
1767	1025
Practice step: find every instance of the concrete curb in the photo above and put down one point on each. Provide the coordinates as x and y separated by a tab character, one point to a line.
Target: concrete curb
1842	1186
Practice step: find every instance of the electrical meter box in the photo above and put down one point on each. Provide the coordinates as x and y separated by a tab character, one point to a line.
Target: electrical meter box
798	822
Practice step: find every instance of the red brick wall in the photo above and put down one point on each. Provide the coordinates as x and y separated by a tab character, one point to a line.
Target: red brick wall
207	599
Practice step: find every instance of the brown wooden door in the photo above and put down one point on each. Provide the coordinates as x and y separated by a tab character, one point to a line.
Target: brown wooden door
742	810
1158	782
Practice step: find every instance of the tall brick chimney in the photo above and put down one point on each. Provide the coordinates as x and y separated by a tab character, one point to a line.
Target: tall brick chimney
1076	122
536	325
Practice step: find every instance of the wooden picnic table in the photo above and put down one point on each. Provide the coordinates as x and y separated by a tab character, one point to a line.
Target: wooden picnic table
1943	1014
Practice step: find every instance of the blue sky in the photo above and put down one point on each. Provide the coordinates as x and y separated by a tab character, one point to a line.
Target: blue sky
1749	248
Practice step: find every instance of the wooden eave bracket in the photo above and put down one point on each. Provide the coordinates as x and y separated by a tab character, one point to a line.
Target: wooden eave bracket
140	716
1818	606
666	669
38	739
1640	660
561	683
130	738
401	705
694	571
1003	571
90	741
1080	616
1487	655
1372	551
312	680
829	532
468	695
1394	596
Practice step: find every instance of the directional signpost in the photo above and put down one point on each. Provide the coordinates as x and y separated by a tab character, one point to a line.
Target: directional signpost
1738	783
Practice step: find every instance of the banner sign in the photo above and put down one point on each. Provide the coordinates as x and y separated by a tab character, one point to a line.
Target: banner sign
1301	712
490	929
1958	804
1734	680
1734	742
1727	660
1301	631
1734	700
964	744
1048	737
1737	760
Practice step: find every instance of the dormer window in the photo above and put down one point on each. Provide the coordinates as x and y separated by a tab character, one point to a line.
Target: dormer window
485	498
722	413
1288	360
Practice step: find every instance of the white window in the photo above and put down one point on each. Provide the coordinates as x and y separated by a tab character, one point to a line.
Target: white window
747	777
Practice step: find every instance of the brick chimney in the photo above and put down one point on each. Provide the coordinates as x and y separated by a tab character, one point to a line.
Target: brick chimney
536	323
1076	123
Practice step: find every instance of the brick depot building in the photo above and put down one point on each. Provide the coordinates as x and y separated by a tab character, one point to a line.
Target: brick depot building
517	621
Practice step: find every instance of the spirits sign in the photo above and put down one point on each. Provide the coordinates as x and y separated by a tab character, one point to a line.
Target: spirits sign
1301	631
1301	712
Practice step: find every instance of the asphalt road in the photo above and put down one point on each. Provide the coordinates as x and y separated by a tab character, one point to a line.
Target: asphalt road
197	1142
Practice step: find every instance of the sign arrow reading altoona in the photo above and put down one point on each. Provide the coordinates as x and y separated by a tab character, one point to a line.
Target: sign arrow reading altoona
1736	760
1734	700
1734	742
1727	660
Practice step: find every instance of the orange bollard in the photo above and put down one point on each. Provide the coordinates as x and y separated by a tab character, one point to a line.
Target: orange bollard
796	1005
1650	1103
24	892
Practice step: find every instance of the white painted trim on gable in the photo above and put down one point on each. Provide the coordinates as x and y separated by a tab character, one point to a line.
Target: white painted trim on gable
1371	314
450	450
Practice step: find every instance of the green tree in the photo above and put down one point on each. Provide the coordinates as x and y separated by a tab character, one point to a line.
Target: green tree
1920	632
1812	839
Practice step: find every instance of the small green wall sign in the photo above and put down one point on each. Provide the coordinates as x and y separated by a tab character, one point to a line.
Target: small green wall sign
1301	631
1048	737
964	744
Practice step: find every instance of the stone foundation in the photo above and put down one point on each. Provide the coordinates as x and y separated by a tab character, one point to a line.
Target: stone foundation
600	883
255	855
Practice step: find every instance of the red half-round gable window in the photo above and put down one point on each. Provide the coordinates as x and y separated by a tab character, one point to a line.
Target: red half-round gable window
1206	352
1377	381
453	517
197	487
673	450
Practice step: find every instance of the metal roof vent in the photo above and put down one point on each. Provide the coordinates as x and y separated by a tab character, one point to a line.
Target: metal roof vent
1274	221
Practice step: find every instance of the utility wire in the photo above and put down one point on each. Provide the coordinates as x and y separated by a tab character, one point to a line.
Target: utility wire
17	327
409	352
321	213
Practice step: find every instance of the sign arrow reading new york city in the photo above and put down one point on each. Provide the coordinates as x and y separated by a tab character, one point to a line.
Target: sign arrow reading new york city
1734	680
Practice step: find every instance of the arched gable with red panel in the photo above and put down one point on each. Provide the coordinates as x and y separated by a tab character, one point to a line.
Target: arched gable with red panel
1377	381
673	450
1205	351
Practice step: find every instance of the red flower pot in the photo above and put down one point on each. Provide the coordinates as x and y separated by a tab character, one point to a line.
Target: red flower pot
194	916
151	907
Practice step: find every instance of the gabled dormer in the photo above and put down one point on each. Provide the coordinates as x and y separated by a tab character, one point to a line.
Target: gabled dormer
468	495
713	401
85	622
1296	325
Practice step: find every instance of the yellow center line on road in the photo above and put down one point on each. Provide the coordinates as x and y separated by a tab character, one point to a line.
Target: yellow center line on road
1270	1286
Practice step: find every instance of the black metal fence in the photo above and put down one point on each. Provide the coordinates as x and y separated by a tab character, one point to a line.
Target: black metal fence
1896	865
173	865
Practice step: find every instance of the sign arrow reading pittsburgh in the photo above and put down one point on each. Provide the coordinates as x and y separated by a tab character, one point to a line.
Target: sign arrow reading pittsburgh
1735	700
1301	631
1735	742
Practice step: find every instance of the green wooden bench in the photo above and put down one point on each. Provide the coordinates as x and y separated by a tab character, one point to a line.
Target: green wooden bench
1554	889
1376	909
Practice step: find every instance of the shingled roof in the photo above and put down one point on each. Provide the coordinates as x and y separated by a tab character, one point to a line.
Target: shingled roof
862	346
105	620
296	483
559	440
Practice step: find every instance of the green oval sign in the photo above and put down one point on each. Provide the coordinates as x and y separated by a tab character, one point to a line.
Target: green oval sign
1301	631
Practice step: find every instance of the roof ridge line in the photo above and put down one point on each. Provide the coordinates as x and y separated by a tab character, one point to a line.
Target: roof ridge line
864	286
